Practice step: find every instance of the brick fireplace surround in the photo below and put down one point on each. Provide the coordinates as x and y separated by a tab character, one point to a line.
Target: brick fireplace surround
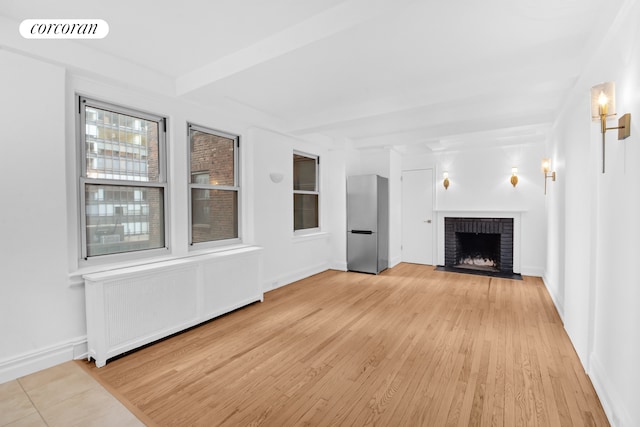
504	227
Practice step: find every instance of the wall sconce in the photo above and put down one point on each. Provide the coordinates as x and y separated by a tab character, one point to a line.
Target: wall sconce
514	176
546	168
445	182
603	104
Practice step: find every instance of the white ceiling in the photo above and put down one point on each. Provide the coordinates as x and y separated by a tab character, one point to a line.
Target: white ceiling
408	73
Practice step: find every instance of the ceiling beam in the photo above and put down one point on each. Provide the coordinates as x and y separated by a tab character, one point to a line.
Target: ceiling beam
342	17
503	128
463	88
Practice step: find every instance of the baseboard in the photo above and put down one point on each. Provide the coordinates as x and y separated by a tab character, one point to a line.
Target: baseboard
532	271
395	261
338	265
611	402
37	360
294	276
554	298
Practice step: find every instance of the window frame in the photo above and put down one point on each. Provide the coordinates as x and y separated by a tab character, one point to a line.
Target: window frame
317	192
84	180
237	187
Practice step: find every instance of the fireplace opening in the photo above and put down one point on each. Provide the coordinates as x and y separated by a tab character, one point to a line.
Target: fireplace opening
479	246
478	251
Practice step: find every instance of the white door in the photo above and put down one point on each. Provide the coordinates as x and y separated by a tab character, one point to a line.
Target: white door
417	216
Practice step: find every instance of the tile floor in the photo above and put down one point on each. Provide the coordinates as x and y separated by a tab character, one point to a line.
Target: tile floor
64	395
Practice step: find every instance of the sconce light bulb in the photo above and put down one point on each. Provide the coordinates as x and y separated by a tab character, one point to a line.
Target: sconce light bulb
514	170
445	175
603	107
602	99
546	165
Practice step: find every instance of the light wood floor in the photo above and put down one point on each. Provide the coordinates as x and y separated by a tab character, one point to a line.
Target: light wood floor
410	347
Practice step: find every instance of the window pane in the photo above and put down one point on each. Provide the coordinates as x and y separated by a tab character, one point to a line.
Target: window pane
214	215
304	173
123	219
120	147
212	155
305	211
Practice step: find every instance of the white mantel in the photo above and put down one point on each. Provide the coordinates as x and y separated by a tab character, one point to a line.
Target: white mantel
441	214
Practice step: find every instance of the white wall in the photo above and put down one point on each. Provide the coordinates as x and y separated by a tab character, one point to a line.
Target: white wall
395	208
555	249
38	308
598	219
479	181
287	258
335	198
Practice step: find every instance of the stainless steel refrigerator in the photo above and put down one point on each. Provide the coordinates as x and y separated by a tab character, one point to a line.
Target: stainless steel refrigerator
367	223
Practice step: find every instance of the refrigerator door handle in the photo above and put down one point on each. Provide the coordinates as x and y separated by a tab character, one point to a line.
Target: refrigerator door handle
362	231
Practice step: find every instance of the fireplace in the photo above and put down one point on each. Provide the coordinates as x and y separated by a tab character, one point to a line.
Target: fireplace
479	244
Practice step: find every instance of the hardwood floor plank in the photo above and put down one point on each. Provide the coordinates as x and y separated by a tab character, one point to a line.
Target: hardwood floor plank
409	347
510	380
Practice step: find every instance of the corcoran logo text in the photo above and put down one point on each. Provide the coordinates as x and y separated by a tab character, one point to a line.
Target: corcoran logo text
64	29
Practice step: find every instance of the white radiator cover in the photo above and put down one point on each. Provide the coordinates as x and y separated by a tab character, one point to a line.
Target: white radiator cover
130	307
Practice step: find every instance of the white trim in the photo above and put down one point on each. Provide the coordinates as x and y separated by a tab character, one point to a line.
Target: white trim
395	261
554	298
303	232
294	276
611	401
501	213
338	265
43	358
532	271
312	234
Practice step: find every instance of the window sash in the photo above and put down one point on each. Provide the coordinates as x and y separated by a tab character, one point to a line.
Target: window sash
215	189
124	184
306	211
87	102
123	219
214	217
300	181
298	223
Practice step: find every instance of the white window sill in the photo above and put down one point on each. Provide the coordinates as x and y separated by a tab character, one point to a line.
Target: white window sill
316	235
194	251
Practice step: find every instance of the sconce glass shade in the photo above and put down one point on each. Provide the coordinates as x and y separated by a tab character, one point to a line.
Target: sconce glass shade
546	165
276	177
546	168
603	99
514	176
445	182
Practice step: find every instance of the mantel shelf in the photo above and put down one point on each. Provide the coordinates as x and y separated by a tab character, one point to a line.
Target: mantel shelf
483	210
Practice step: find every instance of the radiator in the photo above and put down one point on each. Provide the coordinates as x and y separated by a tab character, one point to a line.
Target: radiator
130	307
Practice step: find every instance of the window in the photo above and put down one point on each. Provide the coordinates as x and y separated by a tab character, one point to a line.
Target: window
214	185
123	181
305	191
